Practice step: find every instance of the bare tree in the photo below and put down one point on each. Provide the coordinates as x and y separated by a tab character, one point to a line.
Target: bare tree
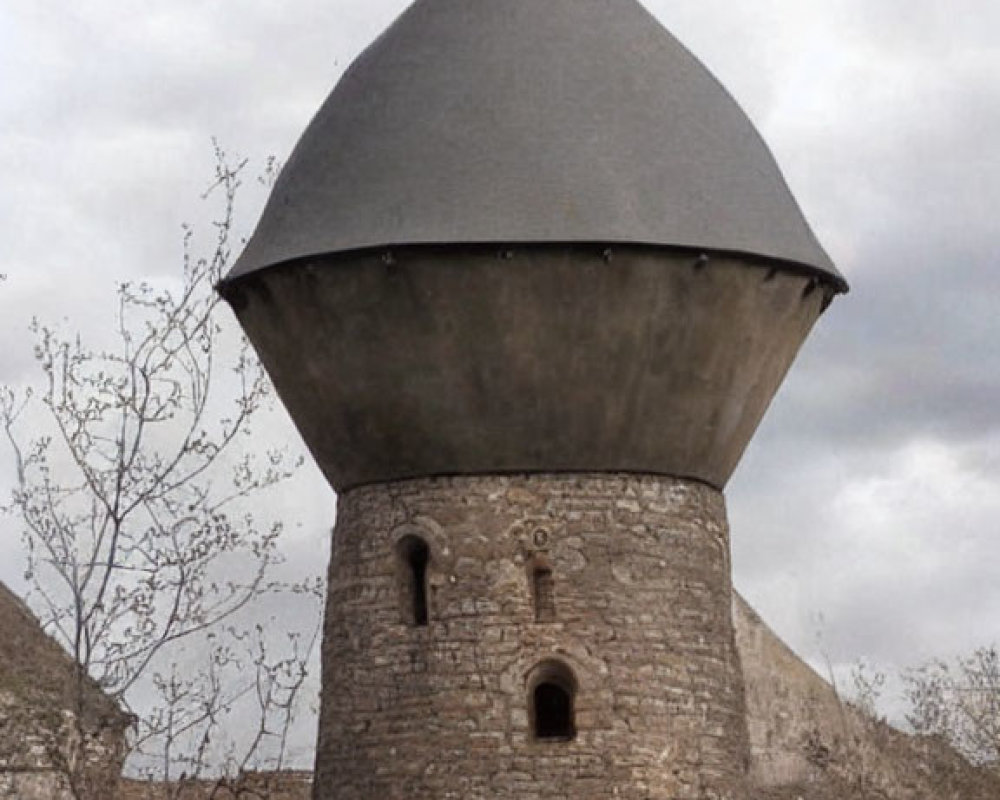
868	686
184	731
135	504
959	701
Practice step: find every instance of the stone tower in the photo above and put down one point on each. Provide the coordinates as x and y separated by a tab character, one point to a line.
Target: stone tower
527	285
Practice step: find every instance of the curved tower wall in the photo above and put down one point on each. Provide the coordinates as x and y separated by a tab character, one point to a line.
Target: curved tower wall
639	615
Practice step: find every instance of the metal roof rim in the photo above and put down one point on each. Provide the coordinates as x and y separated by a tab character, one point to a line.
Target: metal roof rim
513	472
833	279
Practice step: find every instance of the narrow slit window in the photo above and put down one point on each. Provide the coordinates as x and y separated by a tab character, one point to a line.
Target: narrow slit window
543	588
415	556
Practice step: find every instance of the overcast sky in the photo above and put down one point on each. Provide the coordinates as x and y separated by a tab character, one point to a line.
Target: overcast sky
864	514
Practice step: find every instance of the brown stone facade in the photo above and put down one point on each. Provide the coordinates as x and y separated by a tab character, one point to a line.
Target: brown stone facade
46	755
544	636
807	743
61	737
283	785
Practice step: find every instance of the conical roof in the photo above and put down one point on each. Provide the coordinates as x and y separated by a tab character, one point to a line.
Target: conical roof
480	121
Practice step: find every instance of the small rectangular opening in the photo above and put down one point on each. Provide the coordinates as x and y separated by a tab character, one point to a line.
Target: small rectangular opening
415	557
544	591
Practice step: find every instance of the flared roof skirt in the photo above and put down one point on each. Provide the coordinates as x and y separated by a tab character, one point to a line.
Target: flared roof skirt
531	121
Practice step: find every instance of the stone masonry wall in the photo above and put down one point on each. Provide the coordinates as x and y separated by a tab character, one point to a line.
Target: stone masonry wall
807	743
42	756
284	785
639	624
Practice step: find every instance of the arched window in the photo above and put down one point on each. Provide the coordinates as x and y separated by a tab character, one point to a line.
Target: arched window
552	697
414	556
553	712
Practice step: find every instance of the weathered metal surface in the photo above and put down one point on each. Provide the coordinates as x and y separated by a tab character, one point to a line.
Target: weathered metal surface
531	121
449	361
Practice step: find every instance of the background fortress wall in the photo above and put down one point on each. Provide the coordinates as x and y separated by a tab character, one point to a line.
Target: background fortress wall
807	742
788	703
40	730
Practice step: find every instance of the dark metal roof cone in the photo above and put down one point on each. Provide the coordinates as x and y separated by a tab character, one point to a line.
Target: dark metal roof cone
474	121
